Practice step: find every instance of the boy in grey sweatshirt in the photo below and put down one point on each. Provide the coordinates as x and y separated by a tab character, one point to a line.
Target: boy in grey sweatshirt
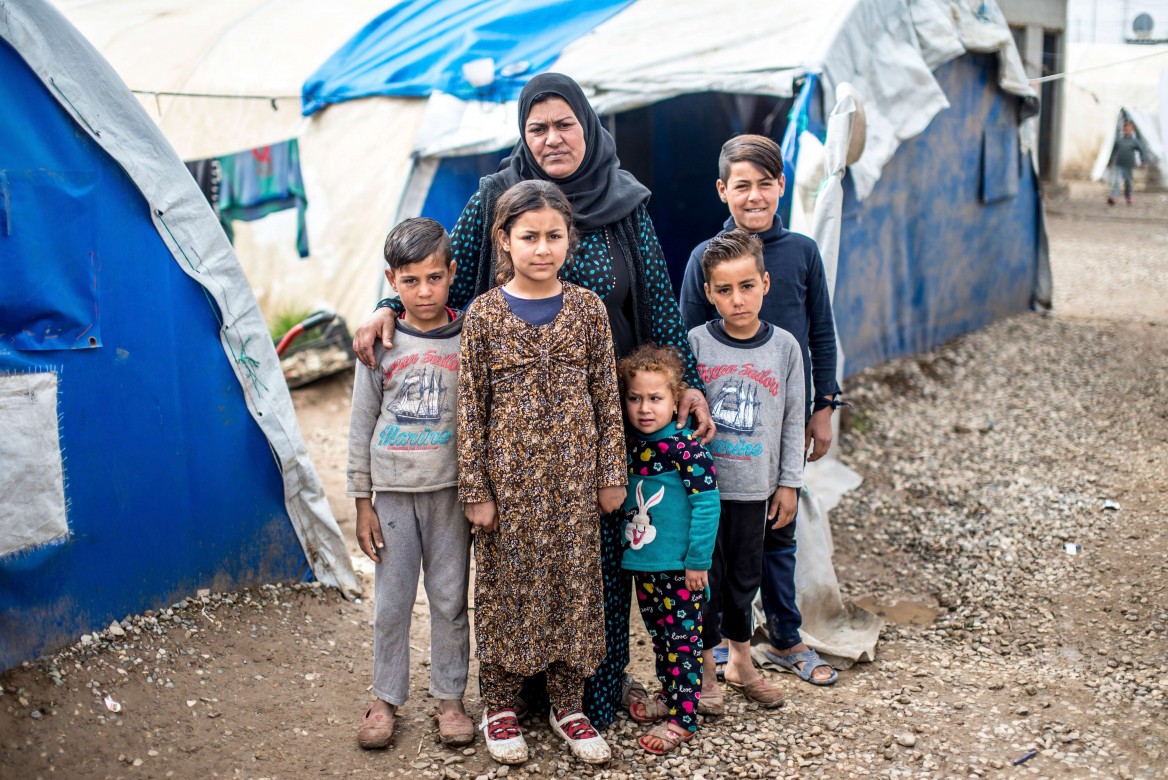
403	449
753	373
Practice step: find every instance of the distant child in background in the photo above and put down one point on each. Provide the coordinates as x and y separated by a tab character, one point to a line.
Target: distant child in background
403	450
673	521
1123	160
540	456
754	384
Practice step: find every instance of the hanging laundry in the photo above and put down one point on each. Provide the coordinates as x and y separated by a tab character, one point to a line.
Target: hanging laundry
208	175
261	181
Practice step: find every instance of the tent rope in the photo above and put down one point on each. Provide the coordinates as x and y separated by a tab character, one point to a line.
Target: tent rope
1064	74
76	111
216	96
249	363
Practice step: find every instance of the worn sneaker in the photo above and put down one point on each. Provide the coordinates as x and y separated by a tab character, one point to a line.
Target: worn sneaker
504	740
586	744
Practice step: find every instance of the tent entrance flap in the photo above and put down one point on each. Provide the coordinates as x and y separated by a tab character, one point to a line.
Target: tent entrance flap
680	169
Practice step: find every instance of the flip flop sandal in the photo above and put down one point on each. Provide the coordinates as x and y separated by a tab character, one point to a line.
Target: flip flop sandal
376	730
642	707
810	660
670	739
759	691
455	728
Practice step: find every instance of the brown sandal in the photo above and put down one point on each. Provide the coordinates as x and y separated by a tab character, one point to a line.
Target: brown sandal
759	691
712	701
642	707
455	728
670	739
376	730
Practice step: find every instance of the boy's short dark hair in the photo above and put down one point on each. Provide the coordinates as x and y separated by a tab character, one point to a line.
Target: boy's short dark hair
732	245
415	239
758	150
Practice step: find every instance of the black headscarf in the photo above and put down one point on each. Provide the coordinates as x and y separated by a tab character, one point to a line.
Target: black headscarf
600	191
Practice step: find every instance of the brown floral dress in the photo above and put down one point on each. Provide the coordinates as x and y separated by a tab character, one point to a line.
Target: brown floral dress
539	428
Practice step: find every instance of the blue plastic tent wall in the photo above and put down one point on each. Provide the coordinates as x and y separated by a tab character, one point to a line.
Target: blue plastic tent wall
419	46
170	484
948	241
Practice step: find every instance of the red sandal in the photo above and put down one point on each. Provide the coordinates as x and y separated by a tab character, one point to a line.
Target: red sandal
670	738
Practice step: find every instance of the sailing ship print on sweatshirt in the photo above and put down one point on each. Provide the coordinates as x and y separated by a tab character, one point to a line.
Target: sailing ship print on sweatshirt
735	407
755	391
421	399
403	434
418	392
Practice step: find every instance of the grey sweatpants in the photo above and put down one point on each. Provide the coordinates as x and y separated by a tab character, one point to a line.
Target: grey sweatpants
428	531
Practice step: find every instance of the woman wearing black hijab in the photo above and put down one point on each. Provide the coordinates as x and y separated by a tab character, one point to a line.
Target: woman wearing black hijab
618	258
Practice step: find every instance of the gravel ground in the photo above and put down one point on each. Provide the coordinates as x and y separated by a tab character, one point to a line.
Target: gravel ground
986	462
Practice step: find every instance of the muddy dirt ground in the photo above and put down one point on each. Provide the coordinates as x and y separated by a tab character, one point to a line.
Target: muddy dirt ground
986	463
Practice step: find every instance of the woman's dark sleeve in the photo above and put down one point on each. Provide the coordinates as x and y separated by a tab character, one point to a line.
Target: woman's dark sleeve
467	240
665	318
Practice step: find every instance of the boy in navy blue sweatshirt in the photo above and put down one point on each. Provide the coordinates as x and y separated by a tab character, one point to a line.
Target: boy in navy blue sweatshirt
751	182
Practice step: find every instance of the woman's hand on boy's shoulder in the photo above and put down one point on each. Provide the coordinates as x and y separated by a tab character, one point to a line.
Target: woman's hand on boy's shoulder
382	323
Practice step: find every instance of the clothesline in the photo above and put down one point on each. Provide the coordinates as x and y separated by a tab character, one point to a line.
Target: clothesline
268	98
1064	74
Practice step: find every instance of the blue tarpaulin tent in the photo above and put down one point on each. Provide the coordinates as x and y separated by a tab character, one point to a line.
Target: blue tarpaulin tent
148	446
420	46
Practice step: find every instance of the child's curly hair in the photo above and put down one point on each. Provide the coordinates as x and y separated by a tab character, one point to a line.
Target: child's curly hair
655	358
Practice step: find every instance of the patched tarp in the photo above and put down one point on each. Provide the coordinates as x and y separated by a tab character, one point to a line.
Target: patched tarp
31	478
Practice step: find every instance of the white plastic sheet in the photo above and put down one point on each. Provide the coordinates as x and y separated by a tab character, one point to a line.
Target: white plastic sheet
32	512
831	624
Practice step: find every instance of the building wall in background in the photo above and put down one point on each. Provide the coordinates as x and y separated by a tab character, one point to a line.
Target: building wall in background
1109	21
1039	28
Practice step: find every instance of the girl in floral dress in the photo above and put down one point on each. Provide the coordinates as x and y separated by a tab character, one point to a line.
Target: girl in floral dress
541	455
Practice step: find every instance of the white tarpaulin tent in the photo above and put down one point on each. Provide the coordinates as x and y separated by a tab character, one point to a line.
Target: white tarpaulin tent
1147	126
1102	79
357	156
